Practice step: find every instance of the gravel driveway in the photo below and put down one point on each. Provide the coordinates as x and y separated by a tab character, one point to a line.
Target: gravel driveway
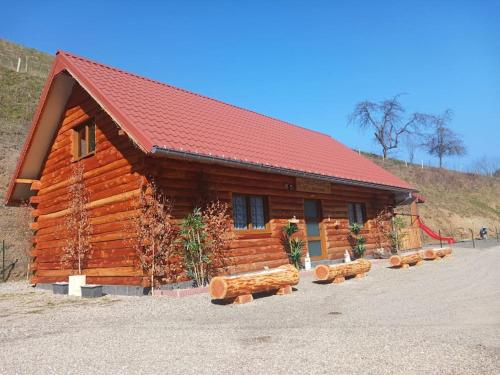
439	318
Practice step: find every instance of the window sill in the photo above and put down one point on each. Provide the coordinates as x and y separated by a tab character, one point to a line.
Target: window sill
75	159
243	232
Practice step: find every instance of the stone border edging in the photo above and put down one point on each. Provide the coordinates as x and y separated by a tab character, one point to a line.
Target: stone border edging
179	293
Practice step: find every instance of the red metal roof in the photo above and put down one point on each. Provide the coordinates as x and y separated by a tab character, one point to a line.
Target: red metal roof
157	114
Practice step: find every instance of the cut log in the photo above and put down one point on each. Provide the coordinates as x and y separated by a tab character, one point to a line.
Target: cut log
277	280
405	260
25	180
436	253
35	199
35	185
338	272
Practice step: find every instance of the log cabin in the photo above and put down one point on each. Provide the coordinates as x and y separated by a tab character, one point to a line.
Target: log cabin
124	128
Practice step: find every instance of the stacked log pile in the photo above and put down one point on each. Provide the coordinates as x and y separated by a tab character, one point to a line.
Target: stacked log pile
337	273
239	288
405	260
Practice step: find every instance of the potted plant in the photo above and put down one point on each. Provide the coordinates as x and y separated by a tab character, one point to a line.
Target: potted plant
293	245
91	291
205	236
357	241
61	287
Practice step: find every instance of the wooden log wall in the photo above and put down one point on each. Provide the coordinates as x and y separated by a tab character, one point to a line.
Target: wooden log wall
113	176
187	183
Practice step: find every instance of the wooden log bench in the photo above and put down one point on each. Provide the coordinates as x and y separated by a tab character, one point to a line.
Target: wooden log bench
239	288
436	253
336	273
405	260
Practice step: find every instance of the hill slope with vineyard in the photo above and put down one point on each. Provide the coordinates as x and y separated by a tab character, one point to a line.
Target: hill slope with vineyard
454	201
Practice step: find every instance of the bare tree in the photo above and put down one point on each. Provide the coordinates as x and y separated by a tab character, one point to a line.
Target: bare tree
443	141
77	222
412	143
157	235
388	122
217	219
485	165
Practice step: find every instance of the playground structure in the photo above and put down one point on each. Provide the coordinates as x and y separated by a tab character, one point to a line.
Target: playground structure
432	234
411	235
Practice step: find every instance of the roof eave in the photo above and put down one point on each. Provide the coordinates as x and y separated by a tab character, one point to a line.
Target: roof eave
163	151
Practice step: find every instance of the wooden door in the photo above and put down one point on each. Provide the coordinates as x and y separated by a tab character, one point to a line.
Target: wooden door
313	217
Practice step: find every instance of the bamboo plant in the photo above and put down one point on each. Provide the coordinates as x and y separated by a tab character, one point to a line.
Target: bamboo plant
293	245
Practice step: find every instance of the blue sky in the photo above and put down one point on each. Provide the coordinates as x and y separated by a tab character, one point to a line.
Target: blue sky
306	62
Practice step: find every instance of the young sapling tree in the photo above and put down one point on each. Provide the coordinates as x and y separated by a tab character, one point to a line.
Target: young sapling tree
157	235
77	222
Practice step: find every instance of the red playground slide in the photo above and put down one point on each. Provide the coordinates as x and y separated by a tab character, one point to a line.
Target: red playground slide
433	234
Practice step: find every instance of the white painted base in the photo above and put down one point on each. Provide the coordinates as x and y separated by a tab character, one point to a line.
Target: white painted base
75	283
307	262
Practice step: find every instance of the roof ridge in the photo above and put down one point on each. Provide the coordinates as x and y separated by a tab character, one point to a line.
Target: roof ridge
189	92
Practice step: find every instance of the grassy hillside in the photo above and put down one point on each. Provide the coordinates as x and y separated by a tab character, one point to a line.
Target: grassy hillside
19	93
30	61
455	201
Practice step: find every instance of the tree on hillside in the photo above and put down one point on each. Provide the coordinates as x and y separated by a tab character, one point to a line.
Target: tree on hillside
412	143
388	122
485	165
443	141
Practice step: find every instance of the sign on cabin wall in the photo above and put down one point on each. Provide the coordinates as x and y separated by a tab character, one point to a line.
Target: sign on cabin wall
312	186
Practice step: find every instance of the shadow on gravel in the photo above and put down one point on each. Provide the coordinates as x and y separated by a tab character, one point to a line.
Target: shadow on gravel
322	282
256	296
